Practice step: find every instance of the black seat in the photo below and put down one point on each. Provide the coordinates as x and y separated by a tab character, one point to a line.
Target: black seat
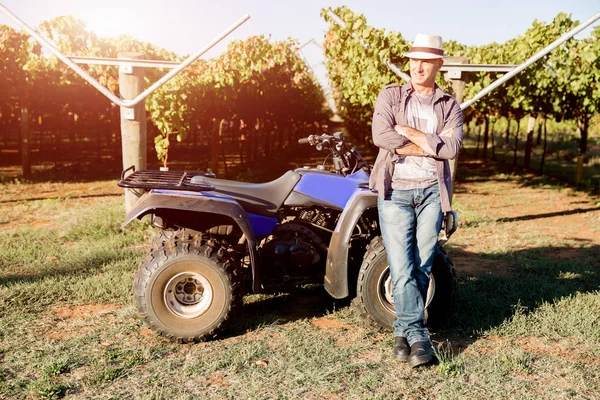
258	198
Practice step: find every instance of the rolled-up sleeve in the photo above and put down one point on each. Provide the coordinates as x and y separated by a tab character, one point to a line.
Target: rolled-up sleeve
384	135
447	147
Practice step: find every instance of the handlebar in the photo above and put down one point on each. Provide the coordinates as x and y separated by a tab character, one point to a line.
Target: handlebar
325	139
345	160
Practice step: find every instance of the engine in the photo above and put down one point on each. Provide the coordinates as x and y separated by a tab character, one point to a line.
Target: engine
293	255
319	218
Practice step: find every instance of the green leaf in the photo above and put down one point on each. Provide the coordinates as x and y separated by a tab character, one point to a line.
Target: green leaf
357	24
590	56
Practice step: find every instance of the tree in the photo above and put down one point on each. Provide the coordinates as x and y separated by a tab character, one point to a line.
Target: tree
265	84
15	86
355	68
579	84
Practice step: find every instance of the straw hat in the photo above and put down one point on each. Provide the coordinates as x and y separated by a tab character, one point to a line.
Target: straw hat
426	47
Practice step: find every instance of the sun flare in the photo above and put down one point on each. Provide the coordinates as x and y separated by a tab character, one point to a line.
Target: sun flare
105	22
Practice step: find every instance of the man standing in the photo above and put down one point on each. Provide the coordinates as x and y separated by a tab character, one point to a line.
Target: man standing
417	128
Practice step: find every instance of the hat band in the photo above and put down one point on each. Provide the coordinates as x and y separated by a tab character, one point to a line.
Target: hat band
430	50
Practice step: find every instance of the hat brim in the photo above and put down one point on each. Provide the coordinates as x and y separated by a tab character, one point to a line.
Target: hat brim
421	55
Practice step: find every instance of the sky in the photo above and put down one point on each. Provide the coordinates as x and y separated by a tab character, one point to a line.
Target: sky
185	26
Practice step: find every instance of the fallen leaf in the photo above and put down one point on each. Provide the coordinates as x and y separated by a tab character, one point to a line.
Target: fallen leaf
262	363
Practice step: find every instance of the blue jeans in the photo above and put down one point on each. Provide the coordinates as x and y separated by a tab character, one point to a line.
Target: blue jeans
410	223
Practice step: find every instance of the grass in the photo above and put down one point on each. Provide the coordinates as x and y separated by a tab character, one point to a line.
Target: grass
528	328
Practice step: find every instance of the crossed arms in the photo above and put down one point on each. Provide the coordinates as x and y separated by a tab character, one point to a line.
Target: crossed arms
404	140
419	145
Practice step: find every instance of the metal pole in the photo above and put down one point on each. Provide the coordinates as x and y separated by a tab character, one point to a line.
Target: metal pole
47	44
96	84
325	88
531	60
391	66
129	63
309	42
188	61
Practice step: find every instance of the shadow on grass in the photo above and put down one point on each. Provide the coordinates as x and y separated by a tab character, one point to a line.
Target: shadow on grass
83	266
85	196
311	301
538	275
548	215
484	300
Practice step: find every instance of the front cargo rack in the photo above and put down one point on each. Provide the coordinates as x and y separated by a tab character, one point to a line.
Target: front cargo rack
172	180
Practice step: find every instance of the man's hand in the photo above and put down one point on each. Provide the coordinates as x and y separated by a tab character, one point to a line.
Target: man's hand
411	150
414	149
417	137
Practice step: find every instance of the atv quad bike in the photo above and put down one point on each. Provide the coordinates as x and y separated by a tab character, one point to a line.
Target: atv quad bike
218	240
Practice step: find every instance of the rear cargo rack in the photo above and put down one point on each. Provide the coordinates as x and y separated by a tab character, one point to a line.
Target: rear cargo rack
172	180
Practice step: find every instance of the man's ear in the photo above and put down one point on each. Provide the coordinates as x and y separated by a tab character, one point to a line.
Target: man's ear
440	63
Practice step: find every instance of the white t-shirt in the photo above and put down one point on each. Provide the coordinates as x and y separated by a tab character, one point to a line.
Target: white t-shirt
417	172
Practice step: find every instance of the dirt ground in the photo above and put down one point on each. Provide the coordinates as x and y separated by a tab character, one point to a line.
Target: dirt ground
504	211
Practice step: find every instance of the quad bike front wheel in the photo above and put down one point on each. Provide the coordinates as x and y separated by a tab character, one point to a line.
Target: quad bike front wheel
374	301
186	292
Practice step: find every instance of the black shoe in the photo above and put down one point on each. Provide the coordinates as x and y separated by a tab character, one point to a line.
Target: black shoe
401	348
420	354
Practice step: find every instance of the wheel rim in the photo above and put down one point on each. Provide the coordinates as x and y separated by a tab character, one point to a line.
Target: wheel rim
188	295
384	292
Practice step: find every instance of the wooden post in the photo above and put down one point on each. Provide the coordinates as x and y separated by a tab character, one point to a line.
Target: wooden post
507	141
458	81
486	135
133	121
583	125
25	160
516	141
493	122
224	123
477	147
216	144
529	142
545	146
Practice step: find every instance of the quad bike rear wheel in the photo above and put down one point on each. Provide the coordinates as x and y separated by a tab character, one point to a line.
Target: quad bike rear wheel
374	301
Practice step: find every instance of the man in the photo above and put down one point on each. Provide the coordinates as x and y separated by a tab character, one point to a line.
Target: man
417	128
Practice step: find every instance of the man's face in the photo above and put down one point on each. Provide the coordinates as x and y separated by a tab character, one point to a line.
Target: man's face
422	72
